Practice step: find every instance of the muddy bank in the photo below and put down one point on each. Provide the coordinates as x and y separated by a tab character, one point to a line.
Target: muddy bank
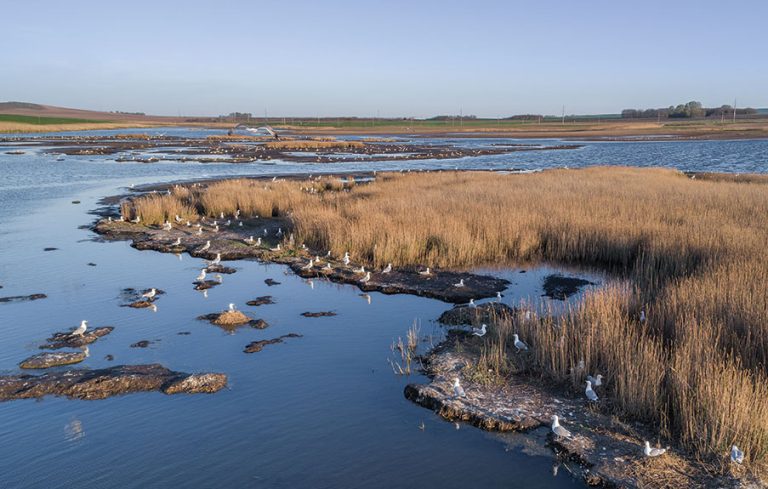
22	298
108	382
609	453
257	346
230	243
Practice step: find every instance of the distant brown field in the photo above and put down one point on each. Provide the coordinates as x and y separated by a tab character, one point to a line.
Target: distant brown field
688	252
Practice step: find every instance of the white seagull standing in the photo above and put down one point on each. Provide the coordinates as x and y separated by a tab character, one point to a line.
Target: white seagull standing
520	345
309	265
387	269
559	430
177	242
653	452
498	296
367	278
480	331
458	390
201	277
277	248
346	258
425	272
460	284
591	395
216	260
249	240
737	455
359	270
206	246
80	330
231	307
151	294
471	304
597	380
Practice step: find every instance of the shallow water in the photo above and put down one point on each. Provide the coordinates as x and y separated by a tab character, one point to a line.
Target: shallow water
324	410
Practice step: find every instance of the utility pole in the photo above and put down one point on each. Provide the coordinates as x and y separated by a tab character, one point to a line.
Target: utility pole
563	114
734	110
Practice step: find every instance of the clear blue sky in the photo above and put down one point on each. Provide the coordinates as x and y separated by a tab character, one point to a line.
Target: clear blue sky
401	58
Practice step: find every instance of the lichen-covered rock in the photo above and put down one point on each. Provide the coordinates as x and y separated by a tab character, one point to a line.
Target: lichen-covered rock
107	382
53	359
196	384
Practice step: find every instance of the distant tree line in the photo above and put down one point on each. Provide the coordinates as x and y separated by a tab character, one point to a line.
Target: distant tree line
691	110
451	117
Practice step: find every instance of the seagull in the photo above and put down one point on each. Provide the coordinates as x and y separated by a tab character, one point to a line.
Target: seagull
80	330
425	272
219	278
221	215
277	248
309	265
346	258
480	331
279	232
559	430
177	218
206	246
216	228
328	266
520	345
167	226
228	223
317	259
597	380
177	242
216	260
231	307
137	220
642	316
460	284
498	296
387	269
201	277
249	240
240	224
258	242
189	224
458	390
366	278
737	455
472	304
199	231
591	395
359	270
265	231
151	294
653	452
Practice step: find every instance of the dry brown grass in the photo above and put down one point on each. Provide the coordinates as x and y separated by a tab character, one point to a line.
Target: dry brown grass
691	253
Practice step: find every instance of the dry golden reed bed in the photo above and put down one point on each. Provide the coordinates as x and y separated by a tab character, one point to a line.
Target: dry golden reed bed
690	252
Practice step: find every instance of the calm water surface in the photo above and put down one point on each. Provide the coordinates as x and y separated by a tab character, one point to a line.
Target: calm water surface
324	410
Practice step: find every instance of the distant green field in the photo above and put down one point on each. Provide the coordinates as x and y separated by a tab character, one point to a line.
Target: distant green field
30	119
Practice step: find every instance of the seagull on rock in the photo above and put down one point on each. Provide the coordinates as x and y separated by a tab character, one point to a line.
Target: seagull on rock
346	258
653	452
359	270
309	265
151	294
249	240
459	284
277	248
206	246
201	277
559	430
216	260
367	278
80	330
458	390
231	307
177	242
480	331
591	395
519	344
471	304
425	272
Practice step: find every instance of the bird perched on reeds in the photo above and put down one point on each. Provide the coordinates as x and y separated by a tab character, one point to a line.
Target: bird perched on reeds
653	452
590	393
206	246
387	269
151	294
480	331
458	390
80	330
519	344
559	430
459	284
597	380
737	455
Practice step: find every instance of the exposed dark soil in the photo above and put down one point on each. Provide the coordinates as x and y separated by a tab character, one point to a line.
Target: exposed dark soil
560	287
22	298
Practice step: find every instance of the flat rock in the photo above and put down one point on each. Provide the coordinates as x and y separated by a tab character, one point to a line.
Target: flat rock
483	313
560	287
141	344
50	249
261	301
220	269
53	359
69	340
257	346
206	284
108	382
271	282
232	320
22	298
318	314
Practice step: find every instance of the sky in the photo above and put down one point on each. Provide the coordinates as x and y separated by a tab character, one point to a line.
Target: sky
392	58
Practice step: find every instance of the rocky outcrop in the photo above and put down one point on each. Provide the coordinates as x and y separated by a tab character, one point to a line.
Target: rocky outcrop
108	382
22	298
261	301
318	314
69	340
483	313
53	359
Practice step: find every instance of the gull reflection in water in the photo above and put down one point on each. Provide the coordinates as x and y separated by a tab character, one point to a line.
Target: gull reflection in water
74	430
